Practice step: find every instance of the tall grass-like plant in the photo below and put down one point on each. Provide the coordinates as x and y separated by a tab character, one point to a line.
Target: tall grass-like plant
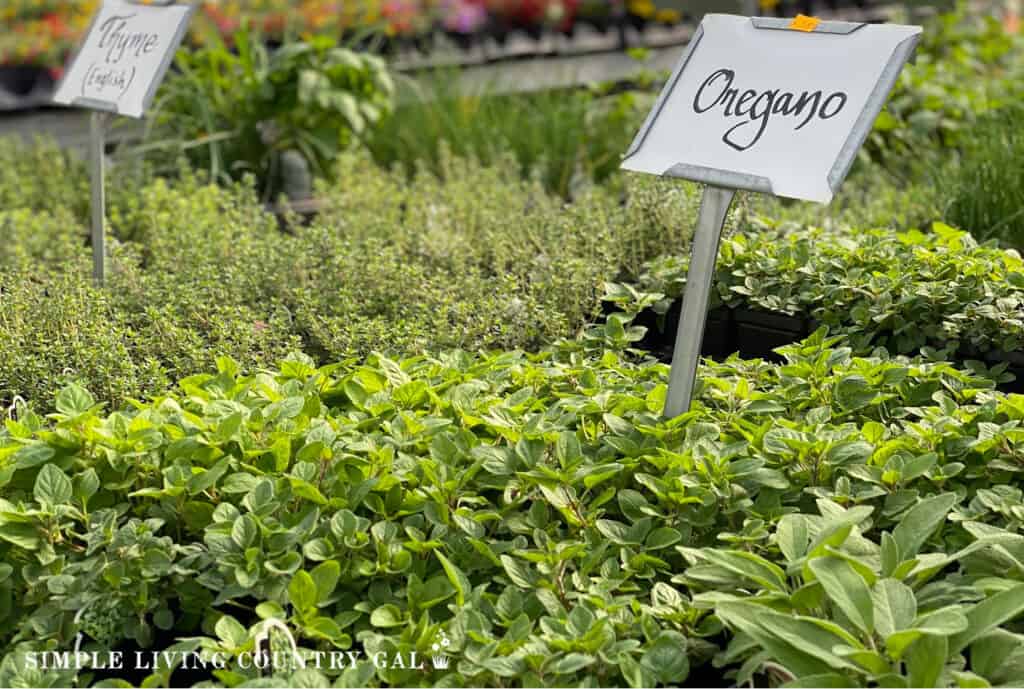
987	184
569	136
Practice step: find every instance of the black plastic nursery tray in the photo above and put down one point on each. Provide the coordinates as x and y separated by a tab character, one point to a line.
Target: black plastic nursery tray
755	334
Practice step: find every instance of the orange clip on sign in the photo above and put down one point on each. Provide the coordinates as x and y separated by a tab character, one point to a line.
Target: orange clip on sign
804	23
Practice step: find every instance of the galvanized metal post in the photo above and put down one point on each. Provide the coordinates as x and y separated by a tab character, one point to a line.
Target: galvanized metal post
97	151
686	355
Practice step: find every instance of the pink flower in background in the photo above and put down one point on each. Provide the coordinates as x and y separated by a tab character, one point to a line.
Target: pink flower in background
464	16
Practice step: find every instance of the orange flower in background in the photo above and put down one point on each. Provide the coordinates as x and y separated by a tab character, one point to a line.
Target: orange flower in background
1012	17
55	24
42	32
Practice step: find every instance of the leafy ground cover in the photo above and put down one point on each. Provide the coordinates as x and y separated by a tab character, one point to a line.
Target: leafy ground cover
902	291
833	518
394	264
41	176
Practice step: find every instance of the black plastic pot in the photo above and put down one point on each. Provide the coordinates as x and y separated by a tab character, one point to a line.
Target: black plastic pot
534	32
660	337
637	22
499	31
755	334
418	43
758	333
464	41
601	24
751	333
20	80
1014	359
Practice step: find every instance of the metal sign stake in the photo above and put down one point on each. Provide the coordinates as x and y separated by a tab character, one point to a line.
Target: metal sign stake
97	151
714	206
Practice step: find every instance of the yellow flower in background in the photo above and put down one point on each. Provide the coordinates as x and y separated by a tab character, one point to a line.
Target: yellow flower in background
668	16
642	8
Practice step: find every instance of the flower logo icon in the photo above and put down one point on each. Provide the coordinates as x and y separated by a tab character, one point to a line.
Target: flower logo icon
439	659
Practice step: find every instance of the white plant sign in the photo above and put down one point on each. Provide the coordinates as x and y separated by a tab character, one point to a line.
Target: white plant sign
770	105
781	111
124	56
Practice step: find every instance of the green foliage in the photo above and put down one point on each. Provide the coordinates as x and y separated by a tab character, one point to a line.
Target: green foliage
967	65
902	291
34	236
40	176
535	513
57	328
240	111
986	182
873	196
396	265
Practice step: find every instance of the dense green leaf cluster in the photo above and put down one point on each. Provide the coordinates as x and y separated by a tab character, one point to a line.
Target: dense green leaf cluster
481	259
534	512
41	176
902	291
966	66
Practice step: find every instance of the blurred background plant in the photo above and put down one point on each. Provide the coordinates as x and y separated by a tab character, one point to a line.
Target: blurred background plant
293	107
571	137
282	115
43	32
968	64
985	183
